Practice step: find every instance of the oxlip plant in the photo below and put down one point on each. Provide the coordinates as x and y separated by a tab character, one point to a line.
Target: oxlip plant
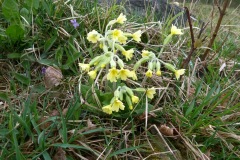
112	62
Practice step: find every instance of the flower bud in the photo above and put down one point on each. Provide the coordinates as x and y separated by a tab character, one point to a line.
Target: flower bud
140	90
167	39
158	66
119	47
95	60
129	102
170	67
117	93
112	22
113	63
150	65
121	94
129	91
139	62
103	62
120	63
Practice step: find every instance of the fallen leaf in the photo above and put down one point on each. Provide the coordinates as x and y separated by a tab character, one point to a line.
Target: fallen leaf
52	77
90	124
60	154
167	131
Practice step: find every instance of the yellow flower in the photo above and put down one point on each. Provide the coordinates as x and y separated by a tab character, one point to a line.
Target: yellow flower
93	36
137	36
145	53
128	54
149	73
116	33
116	105
131	107
179	72
135	99
123	74
133	75
121	18
150	92
101	45
112	75
122	39
175	31
158	73
84	67
107	109
92	74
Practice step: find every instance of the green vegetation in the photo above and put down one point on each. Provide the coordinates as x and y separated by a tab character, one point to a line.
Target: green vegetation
51	109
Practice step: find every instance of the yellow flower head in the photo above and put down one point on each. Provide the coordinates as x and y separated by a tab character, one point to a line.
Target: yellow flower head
133	75
175	31
112	74
135	99
128	54
84	67
92	74
179	72
150	92
149	73
137	36
159	73
116	33
116	105
122	39
123	74
107	109
121	18
145	53
93	36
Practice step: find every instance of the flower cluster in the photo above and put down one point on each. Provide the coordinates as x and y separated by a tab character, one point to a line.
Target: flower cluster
112	44
125	93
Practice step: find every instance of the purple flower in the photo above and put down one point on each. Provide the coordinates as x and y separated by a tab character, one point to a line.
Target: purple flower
43	70
74	23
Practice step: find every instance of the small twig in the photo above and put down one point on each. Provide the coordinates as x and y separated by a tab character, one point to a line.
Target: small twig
222	13
186	61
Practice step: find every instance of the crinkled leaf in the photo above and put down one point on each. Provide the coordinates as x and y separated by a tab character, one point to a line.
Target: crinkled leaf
21	78
10	10
15	32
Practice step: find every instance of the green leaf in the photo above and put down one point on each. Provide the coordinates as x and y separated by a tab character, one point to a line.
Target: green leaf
49	43
24	12
105	98
4	132
59	55
21	78
14	137
72	55
15	32
46	156
190	108
24	124
32	3
47	62
124	150
10	10
14	55
4	96
69	146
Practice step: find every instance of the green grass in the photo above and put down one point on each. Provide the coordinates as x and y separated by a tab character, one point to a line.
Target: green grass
202	108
